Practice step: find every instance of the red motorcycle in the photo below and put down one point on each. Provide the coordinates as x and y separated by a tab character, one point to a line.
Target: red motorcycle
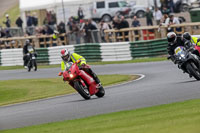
81	81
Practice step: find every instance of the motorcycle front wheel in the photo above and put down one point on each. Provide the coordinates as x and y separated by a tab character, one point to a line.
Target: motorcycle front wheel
193	70
35	65
101	92
81	90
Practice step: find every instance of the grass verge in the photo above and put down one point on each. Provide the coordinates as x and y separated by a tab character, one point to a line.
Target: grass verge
153	59
181	117
16	91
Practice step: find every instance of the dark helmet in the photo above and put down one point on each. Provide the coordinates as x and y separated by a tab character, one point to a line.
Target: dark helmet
171	37
187	36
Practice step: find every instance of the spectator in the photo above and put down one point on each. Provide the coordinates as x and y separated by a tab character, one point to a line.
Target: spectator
53	18
124	24
76	32
165	10
8	22
103	26
69	24
136	23
87	30
19	22
80	13
157	16
170	5
61	27
29	20
115	23
171	20
35	19
149	16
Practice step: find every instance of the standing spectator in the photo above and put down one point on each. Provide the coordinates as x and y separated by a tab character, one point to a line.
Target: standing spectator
53	18
8	22
19	22
80	13
87	29
136	23
35	19
170	5
171	21
115	23
124	24
29	20
76	32
61	27
69	24
157	16
103	26
149	16
165	10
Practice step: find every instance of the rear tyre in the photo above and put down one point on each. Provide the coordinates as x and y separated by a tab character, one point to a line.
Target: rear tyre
193	70
81	90
101	92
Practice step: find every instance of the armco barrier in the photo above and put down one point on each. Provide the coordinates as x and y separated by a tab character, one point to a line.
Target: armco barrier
11	57
115	51
42	55
149	48
55	55
91	52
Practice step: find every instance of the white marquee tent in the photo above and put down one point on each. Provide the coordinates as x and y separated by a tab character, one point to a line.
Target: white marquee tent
70	7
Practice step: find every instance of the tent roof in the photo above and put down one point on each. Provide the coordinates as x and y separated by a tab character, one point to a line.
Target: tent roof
27	5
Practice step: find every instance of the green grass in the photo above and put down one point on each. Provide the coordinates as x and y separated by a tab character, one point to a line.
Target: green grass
154	59
15	91
14	13
181	117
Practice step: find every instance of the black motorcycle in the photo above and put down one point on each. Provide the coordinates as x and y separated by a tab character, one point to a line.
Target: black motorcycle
31	56
187	61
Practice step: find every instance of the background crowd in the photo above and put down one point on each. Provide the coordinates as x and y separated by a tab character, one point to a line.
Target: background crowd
79	28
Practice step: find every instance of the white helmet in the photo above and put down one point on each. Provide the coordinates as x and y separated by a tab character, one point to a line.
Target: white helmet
171	37
65	55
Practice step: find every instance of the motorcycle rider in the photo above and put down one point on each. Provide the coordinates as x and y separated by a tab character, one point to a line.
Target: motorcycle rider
25	52
73	57
193	40
173	42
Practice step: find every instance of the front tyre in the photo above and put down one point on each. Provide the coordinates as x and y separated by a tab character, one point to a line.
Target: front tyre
81	90
101	92
35	65
193	70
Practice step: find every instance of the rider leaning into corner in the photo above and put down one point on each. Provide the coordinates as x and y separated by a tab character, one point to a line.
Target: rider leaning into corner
73	57
173	42
186	40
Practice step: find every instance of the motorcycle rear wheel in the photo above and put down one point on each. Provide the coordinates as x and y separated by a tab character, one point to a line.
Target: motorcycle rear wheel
195	73
79	87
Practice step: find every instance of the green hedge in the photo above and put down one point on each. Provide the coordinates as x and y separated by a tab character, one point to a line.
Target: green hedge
148	48
43	56
92	52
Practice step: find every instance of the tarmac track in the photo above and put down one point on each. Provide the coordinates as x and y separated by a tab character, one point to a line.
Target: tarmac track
163	83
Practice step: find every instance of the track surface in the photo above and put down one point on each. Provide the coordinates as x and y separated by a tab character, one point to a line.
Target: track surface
163	83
